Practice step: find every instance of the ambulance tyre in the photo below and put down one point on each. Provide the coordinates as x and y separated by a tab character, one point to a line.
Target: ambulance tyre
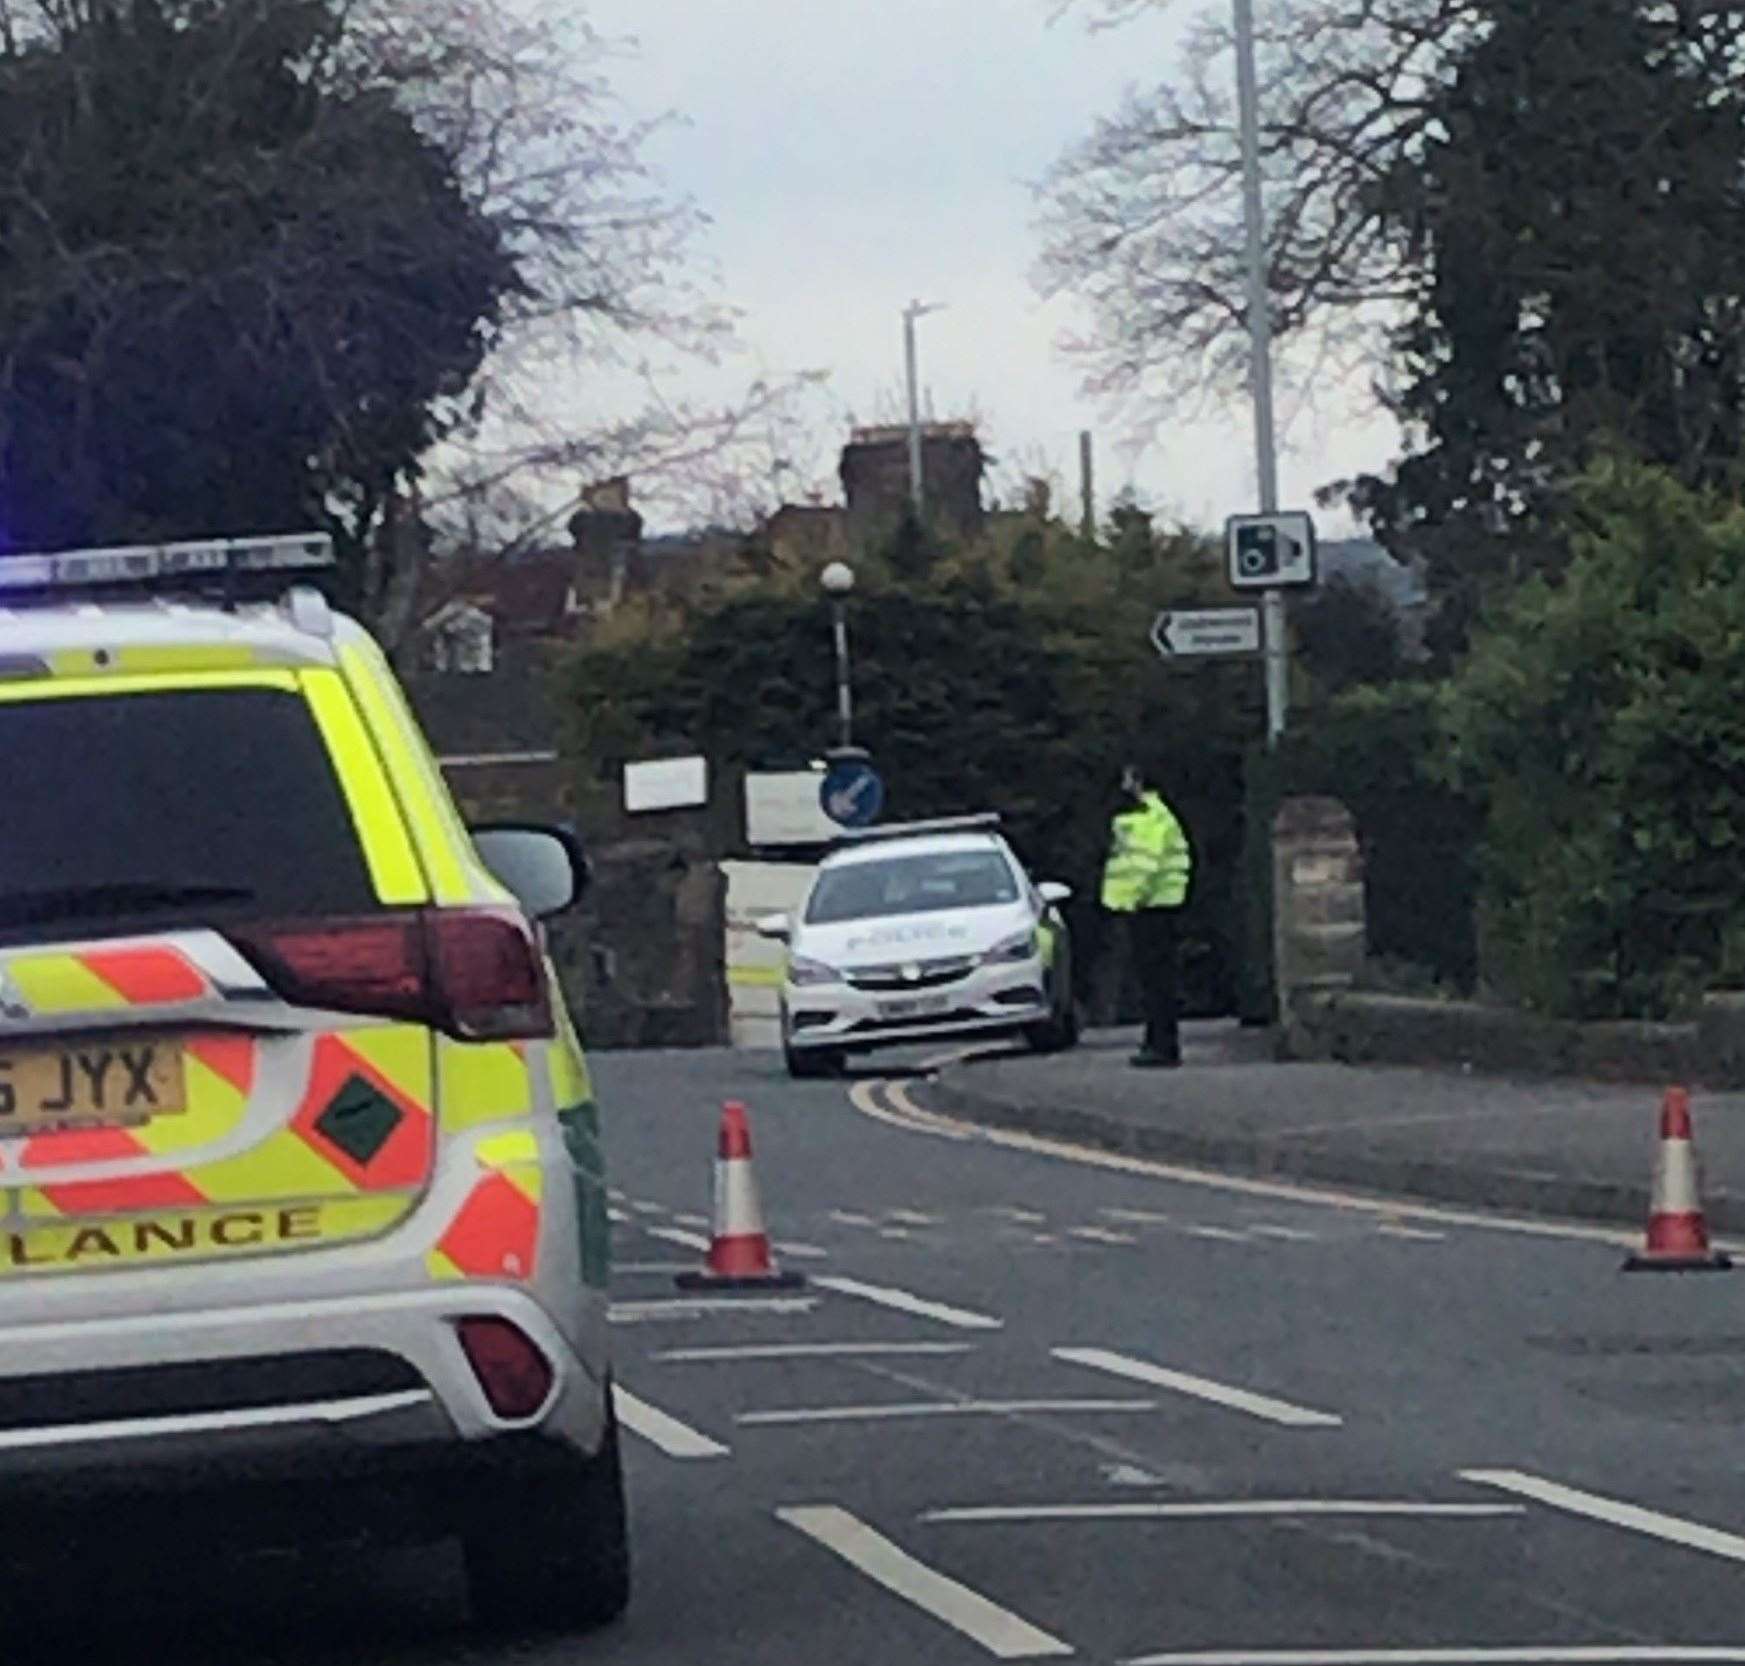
554	1555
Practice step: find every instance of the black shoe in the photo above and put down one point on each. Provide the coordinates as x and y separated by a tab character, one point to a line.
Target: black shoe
1145	1059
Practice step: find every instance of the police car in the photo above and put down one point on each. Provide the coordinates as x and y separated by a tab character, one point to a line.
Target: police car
916	931
300	1171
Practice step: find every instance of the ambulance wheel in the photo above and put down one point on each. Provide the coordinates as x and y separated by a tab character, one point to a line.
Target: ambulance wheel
553	1553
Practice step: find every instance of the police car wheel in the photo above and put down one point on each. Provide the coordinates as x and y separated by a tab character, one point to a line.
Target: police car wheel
553	1553
805	1066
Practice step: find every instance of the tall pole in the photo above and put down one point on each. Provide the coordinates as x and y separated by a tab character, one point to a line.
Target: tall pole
1260	375
1088	484
844	682
917	487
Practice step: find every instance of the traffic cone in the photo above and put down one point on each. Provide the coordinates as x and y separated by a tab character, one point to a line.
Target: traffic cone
1678	1236
739	1252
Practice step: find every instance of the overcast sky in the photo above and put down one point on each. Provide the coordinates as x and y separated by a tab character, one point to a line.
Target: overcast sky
855	154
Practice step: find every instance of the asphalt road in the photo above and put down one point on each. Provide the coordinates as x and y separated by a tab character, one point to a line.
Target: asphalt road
1062	1406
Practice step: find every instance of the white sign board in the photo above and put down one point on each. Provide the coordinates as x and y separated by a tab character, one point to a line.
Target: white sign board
666	784
1271	552
782	808
1207	631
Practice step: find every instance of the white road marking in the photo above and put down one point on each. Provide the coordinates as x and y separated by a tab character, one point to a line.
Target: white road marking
678	1235
933	1408
616	1216
1218	1510
1100	1235
693	1220
1200	1388
910	1217
643	1208
898	1232
1002	1633
1280	1191
1391	1229
1138	1217
1024	1217
1673	1529
809	1350
698	1307
801	1252
1603	1654
847	1217
676	1439
1222	1234
903	1302
1287	1234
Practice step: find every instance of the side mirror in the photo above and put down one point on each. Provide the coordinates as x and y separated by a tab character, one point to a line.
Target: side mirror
1054	893
779	928
543	866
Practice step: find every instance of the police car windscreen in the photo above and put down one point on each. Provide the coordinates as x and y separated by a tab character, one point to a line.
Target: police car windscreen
912	885
165	809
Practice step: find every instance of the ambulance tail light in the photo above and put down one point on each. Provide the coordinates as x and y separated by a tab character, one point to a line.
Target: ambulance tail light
490	973
515	1375
374	965
475	973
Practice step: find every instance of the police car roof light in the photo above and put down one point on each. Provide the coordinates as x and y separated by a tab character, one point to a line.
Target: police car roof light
162	567
988	822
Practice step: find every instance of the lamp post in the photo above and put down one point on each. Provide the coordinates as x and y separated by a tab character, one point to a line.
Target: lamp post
838	582
1260	348
913	311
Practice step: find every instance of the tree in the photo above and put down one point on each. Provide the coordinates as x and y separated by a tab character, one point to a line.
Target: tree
259	257
1144	219
1347	635
1600	721
1577	215
1530	215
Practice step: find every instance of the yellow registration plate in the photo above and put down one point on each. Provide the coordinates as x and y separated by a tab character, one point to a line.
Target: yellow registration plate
115	1082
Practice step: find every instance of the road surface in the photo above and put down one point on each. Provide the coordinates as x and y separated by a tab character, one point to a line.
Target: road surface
1032	1406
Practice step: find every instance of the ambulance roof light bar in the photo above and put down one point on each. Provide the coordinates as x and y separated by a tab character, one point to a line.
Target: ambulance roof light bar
213	562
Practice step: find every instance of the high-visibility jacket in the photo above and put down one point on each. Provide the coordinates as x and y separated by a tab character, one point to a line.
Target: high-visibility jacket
1149	860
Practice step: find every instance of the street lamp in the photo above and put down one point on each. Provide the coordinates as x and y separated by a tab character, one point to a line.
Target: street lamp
913	311
838	582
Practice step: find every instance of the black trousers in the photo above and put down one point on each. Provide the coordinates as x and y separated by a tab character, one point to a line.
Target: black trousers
1157	966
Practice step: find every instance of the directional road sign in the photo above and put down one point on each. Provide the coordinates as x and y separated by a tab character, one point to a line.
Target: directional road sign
852	793
1271	552
1208	631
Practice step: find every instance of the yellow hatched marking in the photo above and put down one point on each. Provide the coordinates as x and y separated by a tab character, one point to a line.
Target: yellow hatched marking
76	684
401	1053
55	983
282	1167
394	868
571	1084
527	1178
481	1082
416	782
500	1150
440	1267
215	1108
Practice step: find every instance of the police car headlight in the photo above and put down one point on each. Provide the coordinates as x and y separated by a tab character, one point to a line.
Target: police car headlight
811	974
1012	951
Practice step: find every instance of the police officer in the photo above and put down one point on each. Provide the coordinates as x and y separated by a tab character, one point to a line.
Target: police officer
1146	878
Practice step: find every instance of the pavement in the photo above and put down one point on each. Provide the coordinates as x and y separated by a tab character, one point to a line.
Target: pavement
1561	1148
1042	1403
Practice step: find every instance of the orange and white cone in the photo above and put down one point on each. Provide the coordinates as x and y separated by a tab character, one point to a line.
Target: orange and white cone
739	1251
1678	1235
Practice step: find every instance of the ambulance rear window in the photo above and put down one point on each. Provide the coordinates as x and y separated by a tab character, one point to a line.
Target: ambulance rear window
171	809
